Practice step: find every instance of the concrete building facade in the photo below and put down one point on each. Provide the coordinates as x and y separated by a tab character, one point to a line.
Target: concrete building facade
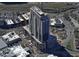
39	24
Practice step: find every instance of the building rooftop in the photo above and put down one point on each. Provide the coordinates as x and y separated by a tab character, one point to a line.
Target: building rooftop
2	44
16	51
37	10
20	18
10	36
51	55
9	21
54	21
25	16
19	51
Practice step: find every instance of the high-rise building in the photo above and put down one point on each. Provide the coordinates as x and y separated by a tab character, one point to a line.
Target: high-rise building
39	24
39	30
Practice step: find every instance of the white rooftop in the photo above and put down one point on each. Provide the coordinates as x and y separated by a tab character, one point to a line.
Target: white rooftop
10	36
60	20
25	16
38	10
19	51
28	13
52	21
51	55
9	21
20	18
16	50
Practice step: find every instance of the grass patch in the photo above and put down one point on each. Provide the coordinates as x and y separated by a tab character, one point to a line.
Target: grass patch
56	5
